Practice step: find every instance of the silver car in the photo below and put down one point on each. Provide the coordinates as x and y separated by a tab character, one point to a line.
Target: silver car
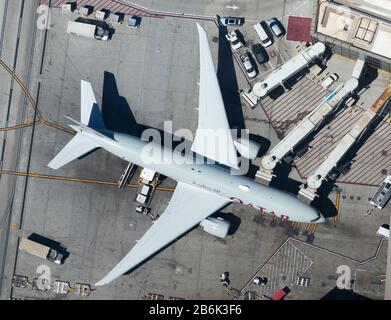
251	72
275	26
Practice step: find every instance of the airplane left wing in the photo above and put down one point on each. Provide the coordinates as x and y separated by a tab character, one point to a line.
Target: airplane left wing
187	208
213	138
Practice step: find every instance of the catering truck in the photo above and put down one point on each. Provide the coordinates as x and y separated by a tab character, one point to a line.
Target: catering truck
41	251
89	30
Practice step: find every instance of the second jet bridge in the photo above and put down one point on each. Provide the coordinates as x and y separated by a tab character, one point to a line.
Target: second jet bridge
308	191
303	129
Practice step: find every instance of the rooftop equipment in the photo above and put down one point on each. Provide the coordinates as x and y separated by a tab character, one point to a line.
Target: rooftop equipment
100	15
85	11
116	18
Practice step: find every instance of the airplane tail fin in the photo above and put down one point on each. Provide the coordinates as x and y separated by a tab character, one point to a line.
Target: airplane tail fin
89	110
91	119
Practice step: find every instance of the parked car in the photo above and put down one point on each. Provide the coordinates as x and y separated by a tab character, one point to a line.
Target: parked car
232	21
251	72
262	34
275	26
329	80
260	53
232	37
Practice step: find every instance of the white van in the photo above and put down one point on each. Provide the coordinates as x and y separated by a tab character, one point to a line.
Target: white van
265	39
88	30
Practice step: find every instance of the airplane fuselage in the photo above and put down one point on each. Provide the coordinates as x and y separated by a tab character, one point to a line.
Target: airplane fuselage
209	177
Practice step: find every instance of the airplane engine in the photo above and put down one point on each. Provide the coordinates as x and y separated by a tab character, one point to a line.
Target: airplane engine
217	227
247	148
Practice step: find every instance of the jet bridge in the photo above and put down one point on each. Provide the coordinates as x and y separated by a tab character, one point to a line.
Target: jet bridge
308	191
303	129
288	69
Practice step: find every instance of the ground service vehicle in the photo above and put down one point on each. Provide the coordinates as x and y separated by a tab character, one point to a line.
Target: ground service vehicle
261	31
87	30
41	251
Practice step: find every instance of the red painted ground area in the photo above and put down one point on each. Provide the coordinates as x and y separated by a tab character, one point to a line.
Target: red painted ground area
299	29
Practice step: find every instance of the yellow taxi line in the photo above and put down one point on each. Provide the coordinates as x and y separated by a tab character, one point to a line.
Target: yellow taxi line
52	177
337	203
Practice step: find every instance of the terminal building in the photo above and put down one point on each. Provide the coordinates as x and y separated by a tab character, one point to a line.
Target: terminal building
359	28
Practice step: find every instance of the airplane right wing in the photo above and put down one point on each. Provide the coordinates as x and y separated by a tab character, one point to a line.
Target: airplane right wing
187	208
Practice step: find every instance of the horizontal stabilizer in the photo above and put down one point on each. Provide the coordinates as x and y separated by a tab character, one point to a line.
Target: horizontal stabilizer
77	147
89	130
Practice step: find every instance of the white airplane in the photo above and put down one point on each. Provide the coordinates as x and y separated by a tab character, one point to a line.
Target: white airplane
202	189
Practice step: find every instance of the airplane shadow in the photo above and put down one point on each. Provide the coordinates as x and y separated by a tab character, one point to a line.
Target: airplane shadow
368	76
263	142
343	294
323	202
228	82
118	116
116	111
282	181
226	75
233	220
